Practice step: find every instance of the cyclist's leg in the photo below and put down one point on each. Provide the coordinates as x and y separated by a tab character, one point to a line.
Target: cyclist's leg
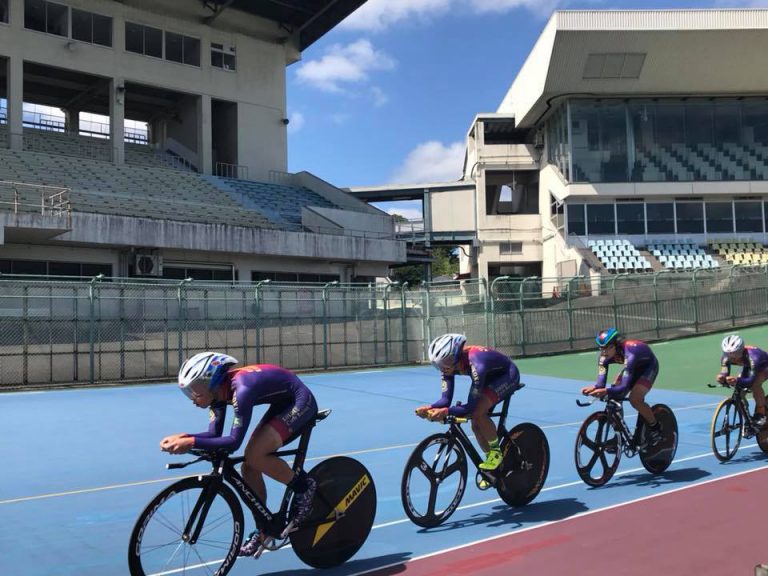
496	390
640	388
759	394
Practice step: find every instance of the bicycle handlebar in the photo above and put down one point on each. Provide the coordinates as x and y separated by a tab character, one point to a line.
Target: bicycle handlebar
201	455
603	398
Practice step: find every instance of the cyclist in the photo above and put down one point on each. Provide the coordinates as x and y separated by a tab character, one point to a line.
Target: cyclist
211	380
754	372
494	378
636	377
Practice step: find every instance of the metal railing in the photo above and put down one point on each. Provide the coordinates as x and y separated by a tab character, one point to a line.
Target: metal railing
114	330
18	197
225	170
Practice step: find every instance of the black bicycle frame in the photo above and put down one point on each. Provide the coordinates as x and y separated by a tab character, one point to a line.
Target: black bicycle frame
224	471
455	432
615	411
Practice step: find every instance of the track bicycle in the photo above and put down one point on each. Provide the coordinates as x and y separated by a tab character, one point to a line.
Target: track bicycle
197	522
732	422
604	437
435	474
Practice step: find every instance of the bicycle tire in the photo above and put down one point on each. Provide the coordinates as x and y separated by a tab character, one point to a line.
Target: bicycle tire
344	486
658	458
762	439
430	517
604	433
726	422
171	504
519	487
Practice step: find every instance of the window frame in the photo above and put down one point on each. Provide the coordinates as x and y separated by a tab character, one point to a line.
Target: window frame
220	48
91	15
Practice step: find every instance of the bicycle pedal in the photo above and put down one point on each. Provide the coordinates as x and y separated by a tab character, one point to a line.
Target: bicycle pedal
482	482
292	527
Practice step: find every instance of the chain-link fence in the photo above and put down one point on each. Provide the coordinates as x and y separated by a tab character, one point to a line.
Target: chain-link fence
115	330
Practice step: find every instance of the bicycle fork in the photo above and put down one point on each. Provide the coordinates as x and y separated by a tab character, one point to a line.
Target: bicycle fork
199	513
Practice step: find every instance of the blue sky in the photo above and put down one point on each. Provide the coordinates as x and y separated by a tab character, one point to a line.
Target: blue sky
387	96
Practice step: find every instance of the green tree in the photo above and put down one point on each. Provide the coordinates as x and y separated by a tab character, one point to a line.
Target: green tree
413	274
445	263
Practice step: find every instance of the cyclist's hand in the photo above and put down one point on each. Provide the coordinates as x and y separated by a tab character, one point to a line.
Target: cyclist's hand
599	392
587	390
720	378
178	444
422	411
731	380
437	414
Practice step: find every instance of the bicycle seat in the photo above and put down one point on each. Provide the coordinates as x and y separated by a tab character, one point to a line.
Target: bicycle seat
322	414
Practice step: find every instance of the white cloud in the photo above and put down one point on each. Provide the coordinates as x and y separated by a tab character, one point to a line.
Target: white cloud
408	210
340	118
344	65
379	97
431	162
296	122
376	15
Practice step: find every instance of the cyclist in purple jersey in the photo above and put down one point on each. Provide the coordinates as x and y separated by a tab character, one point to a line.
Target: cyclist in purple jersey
494	378
212	381
754	371
639	372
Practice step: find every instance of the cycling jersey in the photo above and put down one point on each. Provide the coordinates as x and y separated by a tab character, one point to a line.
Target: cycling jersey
292	406
756	362
493	374
639	364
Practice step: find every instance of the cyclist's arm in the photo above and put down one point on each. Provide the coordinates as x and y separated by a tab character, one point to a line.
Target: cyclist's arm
602	371
627	375
725	366
446	385
748	374
242	409
479	375
216	416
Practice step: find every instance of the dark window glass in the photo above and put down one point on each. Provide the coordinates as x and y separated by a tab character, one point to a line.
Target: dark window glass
6	266
199	274
224	275
134	38
91	270
102	30
217	59
600	219
153	42
30	267
82	25
749	216
174	47
690	217
34	15
661	218
63	269
57	19
229	62
285	277
576	219
174	273
4	11
630	218
719	217
191	51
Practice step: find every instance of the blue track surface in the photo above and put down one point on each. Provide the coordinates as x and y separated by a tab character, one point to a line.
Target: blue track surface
80	465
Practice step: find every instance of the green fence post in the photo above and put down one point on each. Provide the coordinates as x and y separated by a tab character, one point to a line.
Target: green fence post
613	296
569	311
92	328
522	312
404	322
695	301
386	319
730	291
257	312
427	319
182	318
325	322
492	307
656	302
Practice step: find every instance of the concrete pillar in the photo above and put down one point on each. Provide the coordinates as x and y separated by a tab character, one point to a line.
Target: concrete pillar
427	207
117	119
15	102
72	121
204	135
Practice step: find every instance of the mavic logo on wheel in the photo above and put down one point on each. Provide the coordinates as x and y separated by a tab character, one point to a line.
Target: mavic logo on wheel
342	507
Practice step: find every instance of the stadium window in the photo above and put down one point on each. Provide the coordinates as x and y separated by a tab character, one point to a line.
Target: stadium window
660	218
601	219
182	49
143	40
6	266
749	216
690	217
92	28
46	17
630	218
31	267
223	56
509	248
576	221
4	11
63	269
92	270
719	216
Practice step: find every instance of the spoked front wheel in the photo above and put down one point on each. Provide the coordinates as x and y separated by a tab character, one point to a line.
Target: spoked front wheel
342	514
656	459
525	465
212	512
598	449
727	428
434	480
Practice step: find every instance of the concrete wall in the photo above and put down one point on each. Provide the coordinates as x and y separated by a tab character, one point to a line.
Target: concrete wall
453	211
183	127
356	223
332	194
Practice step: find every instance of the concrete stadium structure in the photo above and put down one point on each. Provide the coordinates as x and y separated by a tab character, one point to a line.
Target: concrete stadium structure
203	192
642	131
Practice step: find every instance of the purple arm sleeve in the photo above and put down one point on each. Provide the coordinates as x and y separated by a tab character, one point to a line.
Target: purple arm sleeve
447	387
478	373
242	405
602	371
216	421
748	373
627	376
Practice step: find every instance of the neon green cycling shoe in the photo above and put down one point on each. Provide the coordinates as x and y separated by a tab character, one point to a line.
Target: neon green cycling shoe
492	461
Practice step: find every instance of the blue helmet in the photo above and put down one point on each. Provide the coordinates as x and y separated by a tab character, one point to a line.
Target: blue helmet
211	366
606	337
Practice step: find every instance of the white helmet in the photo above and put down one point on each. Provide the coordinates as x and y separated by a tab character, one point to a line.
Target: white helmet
211	366
445	349
732	344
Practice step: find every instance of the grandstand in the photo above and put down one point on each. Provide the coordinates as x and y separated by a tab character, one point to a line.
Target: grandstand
149	139
645	128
